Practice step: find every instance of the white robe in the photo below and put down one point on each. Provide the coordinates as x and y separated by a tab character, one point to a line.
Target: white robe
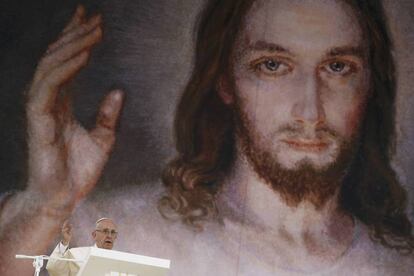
222	249
63	268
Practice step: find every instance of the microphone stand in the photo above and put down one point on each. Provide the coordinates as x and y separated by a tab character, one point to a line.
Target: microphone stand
39	260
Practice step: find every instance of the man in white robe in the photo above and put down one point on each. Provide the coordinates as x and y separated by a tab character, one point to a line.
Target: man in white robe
104	236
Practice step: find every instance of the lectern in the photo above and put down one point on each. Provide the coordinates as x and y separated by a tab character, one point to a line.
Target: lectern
102	262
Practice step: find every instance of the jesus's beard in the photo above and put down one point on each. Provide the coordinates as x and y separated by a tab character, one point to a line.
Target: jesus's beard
302	183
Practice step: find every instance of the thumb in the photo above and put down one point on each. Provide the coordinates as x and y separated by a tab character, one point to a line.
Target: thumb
109	110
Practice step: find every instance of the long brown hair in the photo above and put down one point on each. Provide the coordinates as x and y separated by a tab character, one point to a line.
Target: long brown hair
204	130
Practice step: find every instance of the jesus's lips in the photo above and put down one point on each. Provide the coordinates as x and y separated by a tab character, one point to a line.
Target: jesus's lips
314	146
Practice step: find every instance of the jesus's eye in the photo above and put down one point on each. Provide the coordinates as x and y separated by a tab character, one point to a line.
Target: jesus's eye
339	68
270	67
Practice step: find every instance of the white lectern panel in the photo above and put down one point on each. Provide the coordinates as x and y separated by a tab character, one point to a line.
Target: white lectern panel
103	262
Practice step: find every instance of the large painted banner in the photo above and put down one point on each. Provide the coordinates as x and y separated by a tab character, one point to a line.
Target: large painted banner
239	137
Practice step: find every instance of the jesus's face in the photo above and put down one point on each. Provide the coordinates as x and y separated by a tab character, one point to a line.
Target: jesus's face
299	83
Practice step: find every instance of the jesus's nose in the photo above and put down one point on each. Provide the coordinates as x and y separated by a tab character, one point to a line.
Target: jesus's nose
308	108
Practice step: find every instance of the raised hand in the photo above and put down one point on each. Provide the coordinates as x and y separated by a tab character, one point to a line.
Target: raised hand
66	232
65	160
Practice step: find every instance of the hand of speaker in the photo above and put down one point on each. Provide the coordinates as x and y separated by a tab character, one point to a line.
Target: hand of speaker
66	232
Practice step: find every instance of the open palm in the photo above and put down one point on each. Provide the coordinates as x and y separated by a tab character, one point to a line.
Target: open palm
66	160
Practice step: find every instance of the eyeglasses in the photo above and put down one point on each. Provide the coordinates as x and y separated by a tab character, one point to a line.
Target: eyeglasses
108	232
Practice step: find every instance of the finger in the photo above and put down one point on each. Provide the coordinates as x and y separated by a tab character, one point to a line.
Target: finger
76	19
65	223
65	228
109	110
43	97
75	32
67	51
107	118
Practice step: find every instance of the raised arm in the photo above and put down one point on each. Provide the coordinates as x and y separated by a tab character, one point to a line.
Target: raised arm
65	160
59	267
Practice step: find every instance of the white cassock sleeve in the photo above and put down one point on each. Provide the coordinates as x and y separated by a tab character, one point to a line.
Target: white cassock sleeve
59	267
